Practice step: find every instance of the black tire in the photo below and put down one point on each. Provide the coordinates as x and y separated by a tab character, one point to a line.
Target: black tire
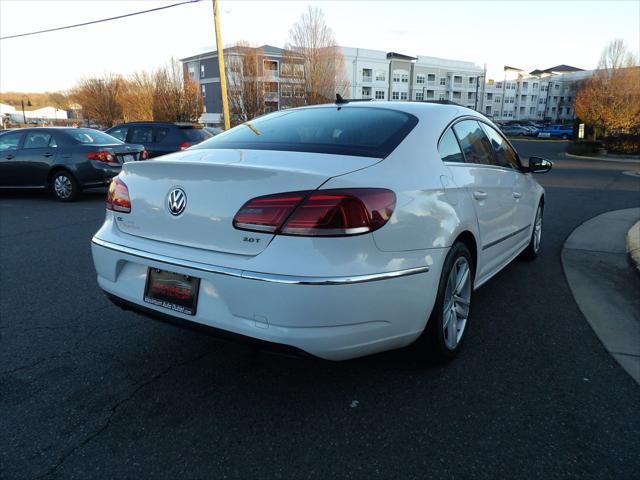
432	342
64	186
533	249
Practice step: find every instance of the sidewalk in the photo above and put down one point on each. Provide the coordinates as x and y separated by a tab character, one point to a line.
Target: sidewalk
605	286
607	158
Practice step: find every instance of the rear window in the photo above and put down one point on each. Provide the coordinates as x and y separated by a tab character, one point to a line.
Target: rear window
368	132
195	134
89	136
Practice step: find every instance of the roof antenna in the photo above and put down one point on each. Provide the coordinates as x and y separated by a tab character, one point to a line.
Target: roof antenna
340	100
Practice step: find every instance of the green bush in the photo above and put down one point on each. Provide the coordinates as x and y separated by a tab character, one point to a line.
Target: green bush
625	144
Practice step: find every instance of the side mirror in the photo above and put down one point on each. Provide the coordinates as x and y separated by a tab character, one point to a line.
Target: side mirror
539	165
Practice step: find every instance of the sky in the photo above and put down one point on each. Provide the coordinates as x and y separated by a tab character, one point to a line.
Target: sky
522	34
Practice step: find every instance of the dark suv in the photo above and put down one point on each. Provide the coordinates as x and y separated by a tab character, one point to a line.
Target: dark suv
160	138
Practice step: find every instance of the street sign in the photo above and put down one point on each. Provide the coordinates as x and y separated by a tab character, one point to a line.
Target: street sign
581	131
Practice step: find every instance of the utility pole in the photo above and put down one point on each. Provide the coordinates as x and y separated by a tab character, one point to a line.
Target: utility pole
223	76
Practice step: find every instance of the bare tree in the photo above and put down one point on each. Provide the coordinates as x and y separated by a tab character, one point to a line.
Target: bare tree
137	97
175	98
312	40
610	99
245	88
100	98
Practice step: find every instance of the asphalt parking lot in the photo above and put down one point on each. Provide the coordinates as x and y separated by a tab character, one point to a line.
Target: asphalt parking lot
90	391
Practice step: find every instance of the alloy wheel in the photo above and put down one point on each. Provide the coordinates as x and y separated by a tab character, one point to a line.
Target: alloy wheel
62	186
457	300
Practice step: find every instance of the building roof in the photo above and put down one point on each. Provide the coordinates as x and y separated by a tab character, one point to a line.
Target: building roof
507	67
557	68
399	56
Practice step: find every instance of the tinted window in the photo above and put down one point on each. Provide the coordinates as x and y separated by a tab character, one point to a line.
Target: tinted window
475	144
37	140
161	133
373	132
505	155
141	135
449	149
195	134
89	136
10	141
120	133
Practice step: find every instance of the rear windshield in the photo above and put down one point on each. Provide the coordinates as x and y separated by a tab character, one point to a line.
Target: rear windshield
195	134
368	132
90	136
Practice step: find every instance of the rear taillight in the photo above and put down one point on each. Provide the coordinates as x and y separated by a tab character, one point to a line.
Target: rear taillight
103	156
118	196
318	213
184	145
144	155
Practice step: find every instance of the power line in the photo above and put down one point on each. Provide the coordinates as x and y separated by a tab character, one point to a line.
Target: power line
98	21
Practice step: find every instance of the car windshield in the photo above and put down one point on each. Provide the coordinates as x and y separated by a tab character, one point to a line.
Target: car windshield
369	132
89	136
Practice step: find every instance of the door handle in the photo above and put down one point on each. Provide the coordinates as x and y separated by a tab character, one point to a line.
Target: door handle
48	154
9	157
517	195
480	195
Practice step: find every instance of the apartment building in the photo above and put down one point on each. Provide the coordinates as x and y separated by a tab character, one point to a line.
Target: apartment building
543	95
279	76
378	75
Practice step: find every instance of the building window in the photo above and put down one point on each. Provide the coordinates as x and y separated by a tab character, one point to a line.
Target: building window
488	110
441	96
366	92
532	110
367	74
430	94
379	94
525	85
298	91
203	91
285	90
470	95
535	86
490	82
489	96
419	96
498	85
201	70
471	80
497	99
405	78
396	77
431	77
380	76
403	95
395	95
457	96
420	79
457	79
521	110
443	80
192	71
270	87
523	98
270	66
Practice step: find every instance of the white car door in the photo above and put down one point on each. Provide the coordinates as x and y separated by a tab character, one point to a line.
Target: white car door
524	196
492	188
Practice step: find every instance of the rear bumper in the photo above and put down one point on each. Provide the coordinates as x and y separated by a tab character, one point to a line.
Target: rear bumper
335	318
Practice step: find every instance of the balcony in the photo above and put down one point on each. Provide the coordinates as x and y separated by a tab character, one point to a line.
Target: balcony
367	78
271	96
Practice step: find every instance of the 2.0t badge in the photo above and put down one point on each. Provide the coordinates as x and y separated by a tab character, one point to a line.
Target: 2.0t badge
176	201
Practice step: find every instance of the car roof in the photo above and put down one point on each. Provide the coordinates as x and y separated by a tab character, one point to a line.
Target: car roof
438	114
149	122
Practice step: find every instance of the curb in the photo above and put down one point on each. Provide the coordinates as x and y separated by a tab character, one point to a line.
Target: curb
605	159
633	246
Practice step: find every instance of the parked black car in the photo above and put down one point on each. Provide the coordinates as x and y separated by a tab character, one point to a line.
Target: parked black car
66	160
160	138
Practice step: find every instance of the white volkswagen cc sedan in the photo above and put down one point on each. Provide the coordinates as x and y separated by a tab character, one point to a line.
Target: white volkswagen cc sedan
340	230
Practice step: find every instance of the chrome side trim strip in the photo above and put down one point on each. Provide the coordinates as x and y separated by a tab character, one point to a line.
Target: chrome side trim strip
513	234
259	276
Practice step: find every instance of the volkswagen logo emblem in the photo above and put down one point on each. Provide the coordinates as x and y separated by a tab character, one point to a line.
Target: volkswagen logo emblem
176	201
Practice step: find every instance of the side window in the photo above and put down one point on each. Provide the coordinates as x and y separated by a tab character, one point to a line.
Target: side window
10	141
160	133
475	144
37	140
120	133
449	149
505	155
141	135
